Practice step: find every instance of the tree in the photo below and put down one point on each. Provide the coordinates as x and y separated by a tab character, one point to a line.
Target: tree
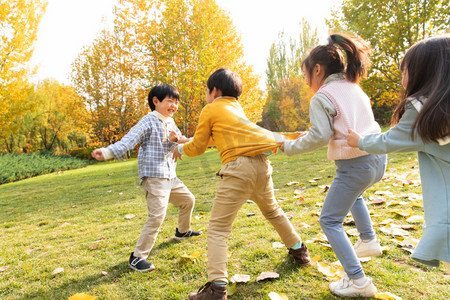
287	102
391	27
19	24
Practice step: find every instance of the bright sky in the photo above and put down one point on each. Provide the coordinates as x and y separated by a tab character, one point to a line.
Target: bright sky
68	25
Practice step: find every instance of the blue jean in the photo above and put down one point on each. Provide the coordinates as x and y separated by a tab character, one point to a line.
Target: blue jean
353	177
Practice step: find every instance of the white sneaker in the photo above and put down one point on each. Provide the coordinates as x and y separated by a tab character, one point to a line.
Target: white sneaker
347	288
368	248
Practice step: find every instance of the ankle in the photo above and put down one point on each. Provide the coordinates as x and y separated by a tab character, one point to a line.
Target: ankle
360	281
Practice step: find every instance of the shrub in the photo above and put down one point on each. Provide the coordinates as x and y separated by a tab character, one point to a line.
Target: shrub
15	167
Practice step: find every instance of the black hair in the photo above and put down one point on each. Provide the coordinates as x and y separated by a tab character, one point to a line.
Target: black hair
225	80
161	91
427	67
331	58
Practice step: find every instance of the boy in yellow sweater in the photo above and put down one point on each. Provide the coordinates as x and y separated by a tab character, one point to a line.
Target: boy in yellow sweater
245	174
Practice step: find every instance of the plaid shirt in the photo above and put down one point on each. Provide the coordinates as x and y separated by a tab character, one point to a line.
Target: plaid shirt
155	153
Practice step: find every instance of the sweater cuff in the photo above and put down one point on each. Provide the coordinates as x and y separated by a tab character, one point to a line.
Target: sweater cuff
107	154
180	149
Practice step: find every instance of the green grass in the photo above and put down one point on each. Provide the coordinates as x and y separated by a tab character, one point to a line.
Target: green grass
75	220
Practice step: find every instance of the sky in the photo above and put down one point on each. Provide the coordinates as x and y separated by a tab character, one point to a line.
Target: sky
68	25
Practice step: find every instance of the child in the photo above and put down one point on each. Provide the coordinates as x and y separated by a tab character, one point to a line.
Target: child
339	104
245	174
156	172
422	124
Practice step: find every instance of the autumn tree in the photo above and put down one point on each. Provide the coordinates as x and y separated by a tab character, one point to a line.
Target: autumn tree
391	27
287	103
19	21
160	41
107	75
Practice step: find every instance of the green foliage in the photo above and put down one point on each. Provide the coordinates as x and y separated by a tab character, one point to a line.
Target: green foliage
15	167
391	27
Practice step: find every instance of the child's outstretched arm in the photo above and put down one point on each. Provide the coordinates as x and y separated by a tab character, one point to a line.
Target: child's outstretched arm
97	154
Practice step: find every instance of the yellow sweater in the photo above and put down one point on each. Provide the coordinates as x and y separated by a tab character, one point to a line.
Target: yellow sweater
233	134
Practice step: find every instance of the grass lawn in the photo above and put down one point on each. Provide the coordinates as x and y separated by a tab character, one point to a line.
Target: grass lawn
79	220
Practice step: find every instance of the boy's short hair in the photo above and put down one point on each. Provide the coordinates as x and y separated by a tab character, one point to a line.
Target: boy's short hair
161	91
225	80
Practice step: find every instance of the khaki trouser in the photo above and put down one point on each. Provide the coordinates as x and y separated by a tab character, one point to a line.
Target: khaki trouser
159	192
242	179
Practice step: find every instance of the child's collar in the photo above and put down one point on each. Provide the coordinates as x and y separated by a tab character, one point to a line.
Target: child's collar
160	116
224	97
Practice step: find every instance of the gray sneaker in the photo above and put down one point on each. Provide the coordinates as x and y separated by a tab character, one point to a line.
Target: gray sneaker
347	288
182	236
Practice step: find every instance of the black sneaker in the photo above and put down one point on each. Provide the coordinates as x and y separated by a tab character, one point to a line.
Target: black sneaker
139	264
182	236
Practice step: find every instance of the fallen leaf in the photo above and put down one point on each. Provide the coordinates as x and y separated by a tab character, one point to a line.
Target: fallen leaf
4	268
191	257
394	231
81	296
250	214
240	278
231	289
377	200
276	296
387	193
292	183
320	238
104	273
303	225
93	247
392	203
57	271
415	219
386	222
352	232
403	213
289	215
129	216
278	245
387	296
267	275
300	200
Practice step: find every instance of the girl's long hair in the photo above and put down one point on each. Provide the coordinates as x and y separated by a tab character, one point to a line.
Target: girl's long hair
332	59
426	66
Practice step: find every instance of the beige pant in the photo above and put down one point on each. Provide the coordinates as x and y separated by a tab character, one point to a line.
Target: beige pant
159	192
242	179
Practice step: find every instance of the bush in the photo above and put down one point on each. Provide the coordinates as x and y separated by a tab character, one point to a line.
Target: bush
15	167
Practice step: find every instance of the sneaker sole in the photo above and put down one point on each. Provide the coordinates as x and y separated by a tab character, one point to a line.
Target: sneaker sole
142	271
362	255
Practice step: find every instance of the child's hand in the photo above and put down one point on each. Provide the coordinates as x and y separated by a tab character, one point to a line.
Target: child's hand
281	145
97	154
353	138
183	140
173	136
176	154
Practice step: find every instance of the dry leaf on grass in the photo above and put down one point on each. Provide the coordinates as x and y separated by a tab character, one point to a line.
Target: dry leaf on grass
292	183
129	216
278	245
289	215
231	289
267	275
93	247
387	296
193	256
276	296
352	232
250	214
57	271
240	278
81	296
4	268
415	219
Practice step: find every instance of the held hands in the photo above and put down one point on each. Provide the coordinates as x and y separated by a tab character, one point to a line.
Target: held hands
97	154
173	137
353	138
281	145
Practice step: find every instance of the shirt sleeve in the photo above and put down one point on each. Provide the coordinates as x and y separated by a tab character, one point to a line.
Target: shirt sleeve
131	139
202	135
321	113
397	139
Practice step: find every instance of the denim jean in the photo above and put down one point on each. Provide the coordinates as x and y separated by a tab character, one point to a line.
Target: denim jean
353	177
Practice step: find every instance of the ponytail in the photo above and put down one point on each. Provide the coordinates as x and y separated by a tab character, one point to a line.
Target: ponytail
332	59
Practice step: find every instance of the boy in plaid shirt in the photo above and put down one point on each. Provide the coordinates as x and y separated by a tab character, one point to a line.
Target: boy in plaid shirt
156	171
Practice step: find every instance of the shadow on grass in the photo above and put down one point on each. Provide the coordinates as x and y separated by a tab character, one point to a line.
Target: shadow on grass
82	285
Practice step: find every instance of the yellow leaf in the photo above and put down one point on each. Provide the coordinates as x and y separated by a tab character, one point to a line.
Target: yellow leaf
276	296
81	296
387	296
292	183
191	257
231	289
